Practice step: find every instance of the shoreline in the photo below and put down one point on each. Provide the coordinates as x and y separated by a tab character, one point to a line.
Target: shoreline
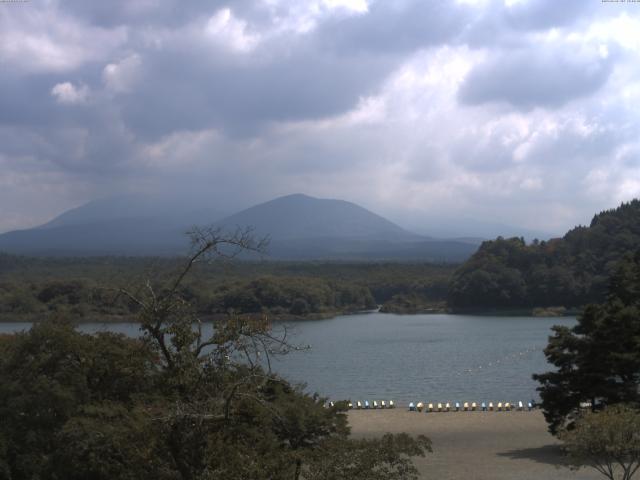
37	318
475	445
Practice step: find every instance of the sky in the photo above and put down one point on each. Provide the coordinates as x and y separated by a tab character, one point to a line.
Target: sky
524	113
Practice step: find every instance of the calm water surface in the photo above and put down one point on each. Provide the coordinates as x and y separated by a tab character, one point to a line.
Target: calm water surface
435	358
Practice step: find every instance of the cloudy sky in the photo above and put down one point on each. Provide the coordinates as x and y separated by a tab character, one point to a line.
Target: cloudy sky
518	112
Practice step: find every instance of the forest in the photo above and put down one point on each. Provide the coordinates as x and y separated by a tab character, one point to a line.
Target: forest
88	289
571	271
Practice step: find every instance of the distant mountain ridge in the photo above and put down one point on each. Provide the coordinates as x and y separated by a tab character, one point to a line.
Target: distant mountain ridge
300	228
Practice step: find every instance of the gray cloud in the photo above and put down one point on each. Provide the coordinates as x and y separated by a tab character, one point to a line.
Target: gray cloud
197	92
270	98
530	78
169	13
543	14
397	27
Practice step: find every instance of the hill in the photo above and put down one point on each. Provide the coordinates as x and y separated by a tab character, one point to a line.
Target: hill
300	228
570	271
126	225
306	228
300	217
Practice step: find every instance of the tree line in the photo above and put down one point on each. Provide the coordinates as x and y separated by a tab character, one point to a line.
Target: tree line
571	271
85	288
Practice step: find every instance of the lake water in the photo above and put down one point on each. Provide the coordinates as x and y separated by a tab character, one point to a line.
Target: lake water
433	358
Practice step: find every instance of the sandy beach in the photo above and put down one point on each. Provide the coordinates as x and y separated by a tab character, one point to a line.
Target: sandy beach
476	445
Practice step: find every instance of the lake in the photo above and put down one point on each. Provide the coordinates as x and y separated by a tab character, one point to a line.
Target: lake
432	358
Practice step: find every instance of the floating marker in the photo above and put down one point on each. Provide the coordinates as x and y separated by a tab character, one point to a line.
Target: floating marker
465	406
430	409
439	407
447	407
391	404
490	406
499	406
474	406
412	407
419	406
457	406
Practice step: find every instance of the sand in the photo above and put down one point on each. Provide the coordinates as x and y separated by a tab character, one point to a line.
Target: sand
476	445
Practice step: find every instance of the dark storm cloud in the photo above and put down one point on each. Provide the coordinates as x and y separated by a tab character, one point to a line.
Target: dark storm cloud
535	78
82	137
189	85
316	75
183	90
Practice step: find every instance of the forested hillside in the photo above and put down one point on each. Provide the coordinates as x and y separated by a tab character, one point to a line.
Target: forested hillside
569	271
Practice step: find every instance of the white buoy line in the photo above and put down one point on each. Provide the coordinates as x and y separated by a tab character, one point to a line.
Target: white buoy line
509	358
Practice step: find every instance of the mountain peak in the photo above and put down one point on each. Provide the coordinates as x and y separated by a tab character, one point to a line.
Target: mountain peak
295	196
301	216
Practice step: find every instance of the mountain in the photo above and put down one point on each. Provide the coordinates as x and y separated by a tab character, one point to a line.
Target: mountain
570	271
126	225
302	217
300	228
163	209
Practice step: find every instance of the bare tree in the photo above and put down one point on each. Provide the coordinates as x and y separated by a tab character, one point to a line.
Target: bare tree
170	321
171	324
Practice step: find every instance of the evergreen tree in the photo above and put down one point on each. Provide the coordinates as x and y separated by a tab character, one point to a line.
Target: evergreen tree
598	360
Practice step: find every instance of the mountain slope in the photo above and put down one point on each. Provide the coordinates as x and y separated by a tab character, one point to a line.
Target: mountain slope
300	216
127	225
300	228
569	271
306	228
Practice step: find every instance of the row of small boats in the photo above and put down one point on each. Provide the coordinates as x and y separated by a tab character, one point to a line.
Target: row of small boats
471	407
444	407
374	404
